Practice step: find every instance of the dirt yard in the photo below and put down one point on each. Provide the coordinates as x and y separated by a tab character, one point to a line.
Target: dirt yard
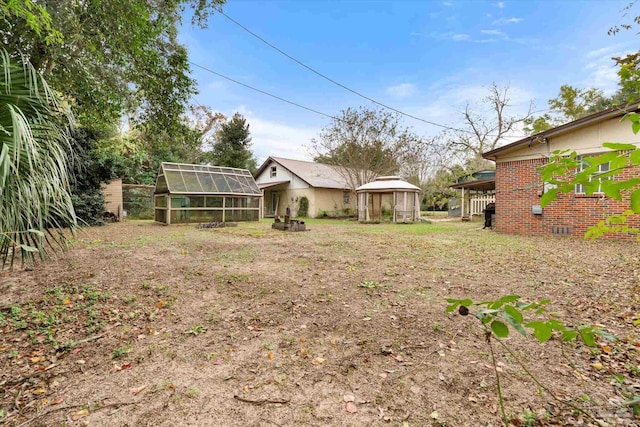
344	325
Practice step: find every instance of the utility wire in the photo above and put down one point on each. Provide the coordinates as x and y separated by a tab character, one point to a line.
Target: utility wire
334	81
342	85
263	92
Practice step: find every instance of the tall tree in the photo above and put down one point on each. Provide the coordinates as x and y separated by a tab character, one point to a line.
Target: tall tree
484	131
570	104
364	143
34	147
629	64
112	56
232	145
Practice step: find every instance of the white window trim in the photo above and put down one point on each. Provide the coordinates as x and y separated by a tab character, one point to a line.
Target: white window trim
273	172
579	188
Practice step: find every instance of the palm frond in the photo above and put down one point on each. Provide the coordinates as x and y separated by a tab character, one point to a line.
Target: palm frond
35	203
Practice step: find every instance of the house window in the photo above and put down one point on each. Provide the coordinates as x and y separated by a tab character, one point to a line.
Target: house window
346	196
273	171
602	168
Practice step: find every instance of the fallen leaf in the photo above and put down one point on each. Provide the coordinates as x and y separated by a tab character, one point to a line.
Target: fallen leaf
597	366
351	408
36	359
160	304
303	351
434	415
82	413
383	375
415	389
137	390
57	401
318	361
270	355
76	350
349	398
606	349
39	391
117	368
67	301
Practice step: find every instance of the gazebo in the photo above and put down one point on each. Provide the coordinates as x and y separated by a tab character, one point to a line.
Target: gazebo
388	194
199	193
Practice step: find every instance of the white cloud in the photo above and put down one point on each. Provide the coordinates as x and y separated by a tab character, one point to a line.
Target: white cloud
447	3
271	138
503	21
216	85
402	90
499	5
603	73
460	37
493	32
450	36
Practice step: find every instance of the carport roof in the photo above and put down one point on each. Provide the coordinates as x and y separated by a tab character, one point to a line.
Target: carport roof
479	185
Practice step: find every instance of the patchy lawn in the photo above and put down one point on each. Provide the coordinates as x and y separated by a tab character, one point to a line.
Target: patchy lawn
139	324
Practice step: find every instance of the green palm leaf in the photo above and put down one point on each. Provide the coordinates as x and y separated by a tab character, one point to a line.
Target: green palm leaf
35	204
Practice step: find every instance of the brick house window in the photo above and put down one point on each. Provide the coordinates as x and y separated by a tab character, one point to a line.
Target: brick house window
602	168
346	196
274	171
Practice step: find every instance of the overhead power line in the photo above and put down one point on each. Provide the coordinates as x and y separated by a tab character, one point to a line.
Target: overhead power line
262	91
313	70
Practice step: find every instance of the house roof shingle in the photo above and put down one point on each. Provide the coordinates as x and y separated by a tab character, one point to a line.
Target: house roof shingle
315	174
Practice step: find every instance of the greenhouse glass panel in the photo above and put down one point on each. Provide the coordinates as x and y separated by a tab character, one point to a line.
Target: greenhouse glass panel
191	182
221	183
174	181
161	201
179	202
161	215
214	202
206	180
161	185
196	201
234	184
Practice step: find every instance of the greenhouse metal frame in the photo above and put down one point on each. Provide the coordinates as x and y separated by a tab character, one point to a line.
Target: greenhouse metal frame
187	193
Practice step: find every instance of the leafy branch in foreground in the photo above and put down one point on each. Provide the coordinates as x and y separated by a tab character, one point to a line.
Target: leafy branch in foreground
566	170
509	311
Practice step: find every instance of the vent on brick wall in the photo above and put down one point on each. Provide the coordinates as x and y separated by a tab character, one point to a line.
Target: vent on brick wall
560	231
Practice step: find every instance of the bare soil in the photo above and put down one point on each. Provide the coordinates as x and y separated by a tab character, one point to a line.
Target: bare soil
344	325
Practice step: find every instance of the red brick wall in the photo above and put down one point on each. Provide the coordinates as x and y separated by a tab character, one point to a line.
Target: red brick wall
519	187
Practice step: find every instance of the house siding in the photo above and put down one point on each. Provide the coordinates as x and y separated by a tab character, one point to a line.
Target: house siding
330	201
282	174
519	187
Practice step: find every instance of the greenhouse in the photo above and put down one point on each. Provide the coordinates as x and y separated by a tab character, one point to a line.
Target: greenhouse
199	193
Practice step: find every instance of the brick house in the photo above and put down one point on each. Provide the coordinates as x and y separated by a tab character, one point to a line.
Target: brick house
519	185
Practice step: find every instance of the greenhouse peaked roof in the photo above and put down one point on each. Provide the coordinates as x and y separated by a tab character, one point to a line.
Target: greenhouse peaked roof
203	179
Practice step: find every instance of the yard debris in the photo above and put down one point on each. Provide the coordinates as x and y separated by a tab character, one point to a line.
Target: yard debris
216	224
261	401
351	408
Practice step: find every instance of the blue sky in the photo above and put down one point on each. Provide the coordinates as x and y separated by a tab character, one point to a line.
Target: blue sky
427	58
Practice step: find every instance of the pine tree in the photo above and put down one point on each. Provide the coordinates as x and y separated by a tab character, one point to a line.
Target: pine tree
232	147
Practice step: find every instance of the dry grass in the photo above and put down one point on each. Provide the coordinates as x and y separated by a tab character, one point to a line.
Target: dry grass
256	327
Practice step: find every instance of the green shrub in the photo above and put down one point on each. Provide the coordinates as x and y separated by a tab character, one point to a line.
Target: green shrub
304	207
